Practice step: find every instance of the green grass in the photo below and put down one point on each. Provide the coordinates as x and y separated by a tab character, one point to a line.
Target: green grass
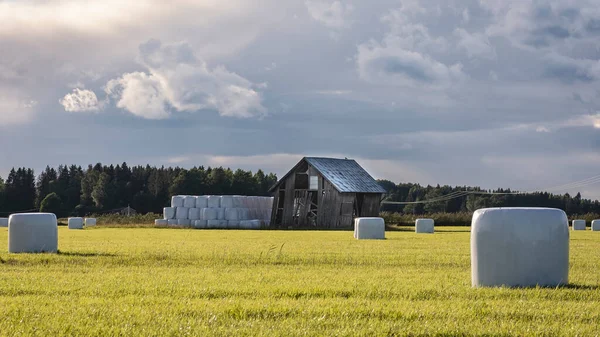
174	282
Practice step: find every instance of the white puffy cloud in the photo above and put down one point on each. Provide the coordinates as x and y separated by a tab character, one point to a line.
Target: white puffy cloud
331	14
139	93
80	100
176	81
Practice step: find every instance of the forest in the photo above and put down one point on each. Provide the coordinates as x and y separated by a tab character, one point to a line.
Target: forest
72	190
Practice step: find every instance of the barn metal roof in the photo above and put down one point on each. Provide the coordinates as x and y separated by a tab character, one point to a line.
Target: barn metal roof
344	174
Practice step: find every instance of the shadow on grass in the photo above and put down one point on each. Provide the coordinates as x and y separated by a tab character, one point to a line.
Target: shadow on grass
579	286
89	254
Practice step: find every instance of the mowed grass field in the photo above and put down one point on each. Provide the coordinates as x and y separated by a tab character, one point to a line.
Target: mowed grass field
177	282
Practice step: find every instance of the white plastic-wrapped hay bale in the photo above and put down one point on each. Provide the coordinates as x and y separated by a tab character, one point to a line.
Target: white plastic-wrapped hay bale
231	214
595	225
169	213
214	201
239	201
3	222
424	226
177	201
194	214
234	224
161	222
519	247
182	213
32	233
75	223
223	224
243	214
227	201
369	228
172	222
213	224
189	201
221	214
244	224
202	202
184	222
90	222
578	225
209	214
200	224
255	224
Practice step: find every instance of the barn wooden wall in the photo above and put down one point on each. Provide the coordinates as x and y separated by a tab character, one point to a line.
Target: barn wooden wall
334	209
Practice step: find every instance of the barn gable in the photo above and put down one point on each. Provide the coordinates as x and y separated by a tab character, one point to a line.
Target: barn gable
324	193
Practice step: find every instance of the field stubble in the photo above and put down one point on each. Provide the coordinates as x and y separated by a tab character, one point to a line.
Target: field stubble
150	281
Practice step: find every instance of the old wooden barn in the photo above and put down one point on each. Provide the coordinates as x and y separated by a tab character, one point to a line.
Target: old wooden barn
325	193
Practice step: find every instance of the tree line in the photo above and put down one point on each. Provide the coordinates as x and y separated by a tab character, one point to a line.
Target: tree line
73	191
408	192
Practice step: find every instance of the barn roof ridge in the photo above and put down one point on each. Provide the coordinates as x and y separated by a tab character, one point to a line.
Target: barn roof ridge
346	175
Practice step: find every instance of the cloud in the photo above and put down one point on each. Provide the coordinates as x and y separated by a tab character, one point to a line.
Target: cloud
331	14
543	24
175	81
570	70
15	108
476	44
394	65
405	54
140	94
80	101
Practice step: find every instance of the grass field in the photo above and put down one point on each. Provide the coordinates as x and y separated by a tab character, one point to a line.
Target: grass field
175	282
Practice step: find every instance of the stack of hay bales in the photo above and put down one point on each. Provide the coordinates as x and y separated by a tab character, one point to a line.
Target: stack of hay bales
216	211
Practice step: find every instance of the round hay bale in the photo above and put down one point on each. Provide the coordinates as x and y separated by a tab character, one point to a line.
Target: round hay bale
184	222
596	225
209	214
232	214
202	201
3	222
578	225
369	228
90	222
75	223
182	213
189	201
213	223
194	214
200	224
169	213
161	222
239	201
32	233
227	201
424	226
172	222
214	201
519	247
177	201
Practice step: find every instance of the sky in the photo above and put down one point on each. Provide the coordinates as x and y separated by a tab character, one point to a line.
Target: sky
493	93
